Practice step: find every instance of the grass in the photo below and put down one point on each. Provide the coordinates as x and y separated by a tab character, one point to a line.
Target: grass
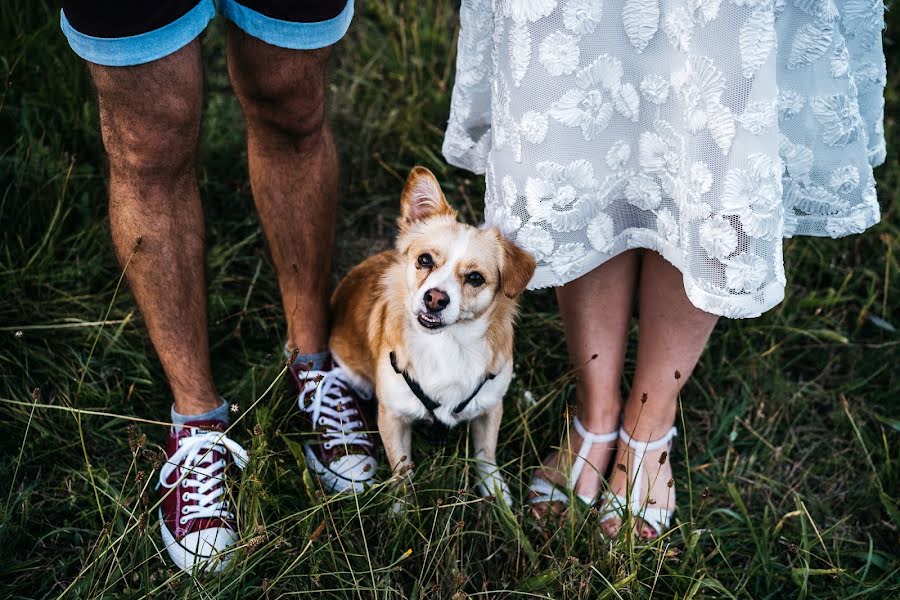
787	465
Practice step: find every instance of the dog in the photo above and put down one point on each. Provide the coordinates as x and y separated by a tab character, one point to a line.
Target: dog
428	327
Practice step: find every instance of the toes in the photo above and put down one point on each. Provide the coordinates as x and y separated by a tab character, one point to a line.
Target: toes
611	527
542	510
557	508
539	510
646	532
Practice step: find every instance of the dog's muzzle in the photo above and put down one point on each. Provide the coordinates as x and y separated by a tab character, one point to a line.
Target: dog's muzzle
430	320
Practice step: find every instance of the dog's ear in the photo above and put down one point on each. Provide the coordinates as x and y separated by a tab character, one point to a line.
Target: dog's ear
517	270
422	198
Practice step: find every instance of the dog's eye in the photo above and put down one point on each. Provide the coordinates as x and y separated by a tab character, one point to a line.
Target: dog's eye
426	261
475	279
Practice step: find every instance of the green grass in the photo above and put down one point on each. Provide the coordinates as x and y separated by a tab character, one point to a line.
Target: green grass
791	424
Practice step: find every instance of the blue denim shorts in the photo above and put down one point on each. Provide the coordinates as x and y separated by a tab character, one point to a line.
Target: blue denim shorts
124	33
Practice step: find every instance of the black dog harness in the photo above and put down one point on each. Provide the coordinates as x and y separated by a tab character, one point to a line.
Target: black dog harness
428	402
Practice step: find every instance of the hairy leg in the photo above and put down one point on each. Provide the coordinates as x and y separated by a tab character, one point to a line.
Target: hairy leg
672	335
293	173
596	310
150	120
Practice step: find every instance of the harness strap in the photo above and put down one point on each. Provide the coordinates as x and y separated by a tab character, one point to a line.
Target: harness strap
426	401
462	405
414	386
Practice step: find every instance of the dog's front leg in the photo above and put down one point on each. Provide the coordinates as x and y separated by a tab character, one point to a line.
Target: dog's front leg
485	429
396	435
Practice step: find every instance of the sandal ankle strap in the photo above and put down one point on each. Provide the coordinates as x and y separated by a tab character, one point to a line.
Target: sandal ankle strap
655	517
548	492
647	445
588	439
590	436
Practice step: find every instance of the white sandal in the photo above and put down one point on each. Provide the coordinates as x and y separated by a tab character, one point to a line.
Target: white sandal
615	505
546	492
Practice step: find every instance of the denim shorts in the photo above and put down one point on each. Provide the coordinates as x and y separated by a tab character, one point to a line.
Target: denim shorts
120	33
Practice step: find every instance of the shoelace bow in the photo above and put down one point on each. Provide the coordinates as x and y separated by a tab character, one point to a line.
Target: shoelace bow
200	473
332	407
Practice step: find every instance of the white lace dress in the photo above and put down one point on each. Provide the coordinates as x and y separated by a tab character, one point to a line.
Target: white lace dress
706	130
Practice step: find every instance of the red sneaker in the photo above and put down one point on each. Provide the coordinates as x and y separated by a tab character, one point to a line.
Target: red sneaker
197	525
342	454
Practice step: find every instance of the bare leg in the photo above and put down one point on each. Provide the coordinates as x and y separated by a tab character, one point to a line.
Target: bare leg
293	173
596	310
150	120
673	333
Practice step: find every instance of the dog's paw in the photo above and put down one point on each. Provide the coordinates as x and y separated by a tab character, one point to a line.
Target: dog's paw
402	491
492	484
402	504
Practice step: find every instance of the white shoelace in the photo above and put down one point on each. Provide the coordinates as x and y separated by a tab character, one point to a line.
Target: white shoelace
330	407
205	477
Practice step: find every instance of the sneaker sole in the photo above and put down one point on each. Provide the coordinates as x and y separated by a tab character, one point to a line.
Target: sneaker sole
331	481
180	554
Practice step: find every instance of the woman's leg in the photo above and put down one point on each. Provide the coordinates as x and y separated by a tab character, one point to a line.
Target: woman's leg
596	310
672	335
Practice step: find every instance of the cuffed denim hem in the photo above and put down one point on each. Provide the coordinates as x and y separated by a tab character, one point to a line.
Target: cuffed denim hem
288	34
144	47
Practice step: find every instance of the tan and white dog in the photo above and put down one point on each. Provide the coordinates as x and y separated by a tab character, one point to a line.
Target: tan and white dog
428	326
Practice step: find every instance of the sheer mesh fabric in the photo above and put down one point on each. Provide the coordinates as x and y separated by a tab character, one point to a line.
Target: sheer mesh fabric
706	130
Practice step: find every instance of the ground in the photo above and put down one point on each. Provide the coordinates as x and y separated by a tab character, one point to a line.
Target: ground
787	464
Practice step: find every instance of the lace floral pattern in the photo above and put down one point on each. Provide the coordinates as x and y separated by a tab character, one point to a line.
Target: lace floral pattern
706	130
599	93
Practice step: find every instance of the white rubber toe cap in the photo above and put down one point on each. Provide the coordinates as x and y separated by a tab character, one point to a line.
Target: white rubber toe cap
204	549
352	472
354	469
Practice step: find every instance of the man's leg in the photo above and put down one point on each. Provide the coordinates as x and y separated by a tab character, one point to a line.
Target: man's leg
150	120
293	173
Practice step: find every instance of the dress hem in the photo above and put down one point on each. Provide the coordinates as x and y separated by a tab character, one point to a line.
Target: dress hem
724	305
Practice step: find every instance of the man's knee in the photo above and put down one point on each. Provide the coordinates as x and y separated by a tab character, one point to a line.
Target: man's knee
150	116
284	98
160	140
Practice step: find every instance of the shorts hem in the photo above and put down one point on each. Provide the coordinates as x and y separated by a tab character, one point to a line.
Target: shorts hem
288	34
144	47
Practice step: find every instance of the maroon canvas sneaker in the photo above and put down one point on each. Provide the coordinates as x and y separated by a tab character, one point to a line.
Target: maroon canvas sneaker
197	525
342	451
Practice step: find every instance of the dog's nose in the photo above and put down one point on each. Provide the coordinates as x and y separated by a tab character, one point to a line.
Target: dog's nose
436	300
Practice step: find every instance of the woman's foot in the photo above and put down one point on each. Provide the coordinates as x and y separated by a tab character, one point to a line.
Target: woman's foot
652	493
563	463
